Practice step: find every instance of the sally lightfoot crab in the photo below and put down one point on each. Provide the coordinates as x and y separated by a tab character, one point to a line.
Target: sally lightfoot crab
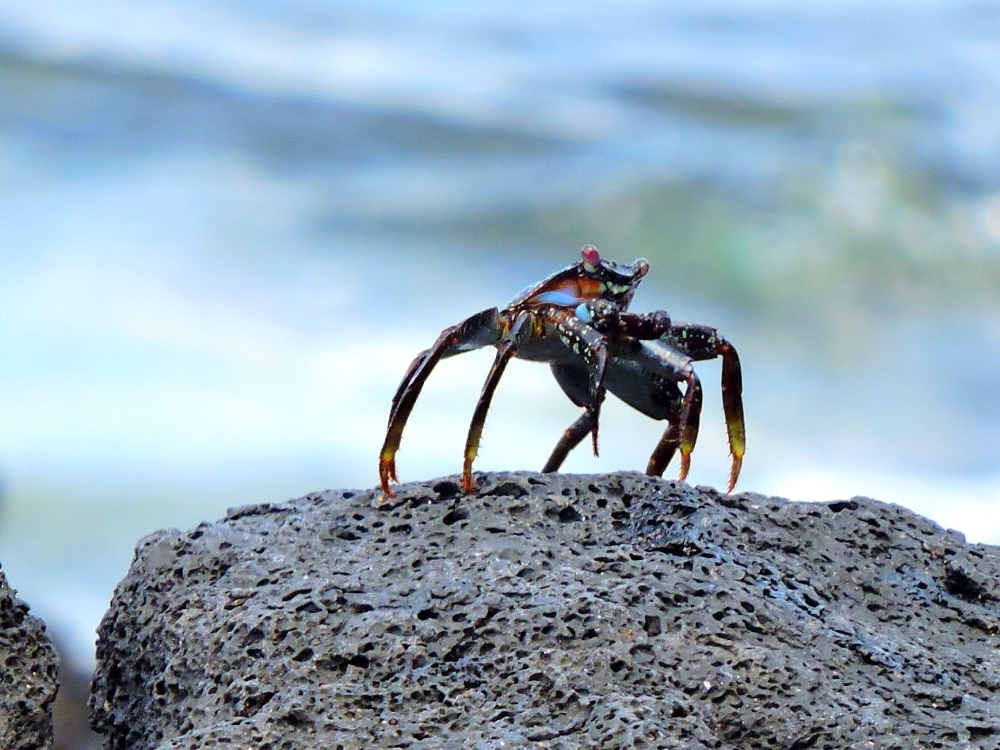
577	320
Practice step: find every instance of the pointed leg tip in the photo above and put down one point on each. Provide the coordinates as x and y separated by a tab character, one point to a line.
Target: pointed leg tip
387	469
386	489
468	486
734	474
685	466
387	474
594	415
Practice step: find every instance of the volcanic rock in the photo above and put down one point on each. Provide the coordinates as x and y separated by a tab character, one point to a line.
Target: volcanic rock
28	676
554	611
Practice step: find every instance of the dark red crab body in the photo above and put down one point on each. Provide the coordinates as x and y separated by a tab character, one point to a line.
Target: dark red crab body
577	320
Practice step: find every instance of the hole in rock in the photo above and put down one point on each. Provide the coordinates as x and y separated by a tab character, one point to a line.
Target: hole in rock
454	516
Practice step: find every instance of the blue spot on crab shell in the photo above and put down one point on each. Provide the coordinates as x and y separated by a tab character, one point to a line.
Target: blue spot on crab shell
563	299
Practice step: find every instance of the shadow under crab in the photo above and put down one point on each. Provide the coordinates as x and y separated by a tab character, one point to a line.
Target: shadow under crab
577	320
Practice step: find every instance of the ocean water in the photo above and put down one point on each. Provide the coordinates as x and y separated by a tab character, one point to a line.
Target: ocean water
226	228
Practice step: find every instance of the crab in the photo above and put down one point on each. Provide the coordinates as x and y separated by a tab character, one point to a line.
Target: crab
577	320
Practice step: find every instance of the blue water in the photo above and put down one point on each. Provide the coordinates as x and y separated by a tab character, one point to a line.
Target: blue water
228	227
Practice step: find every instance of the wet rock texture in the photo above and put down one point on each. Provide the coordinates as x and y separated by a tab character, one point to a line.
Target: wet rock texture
555	612
28	676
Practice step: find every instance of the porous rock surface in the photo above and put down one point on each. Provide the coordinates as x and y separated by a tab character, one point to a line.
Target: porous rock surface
552	611
28	676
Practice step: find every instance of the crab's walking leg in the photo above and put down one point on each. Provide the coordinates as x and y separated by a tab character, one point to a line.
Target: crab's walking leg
644	326
506	350
703	342
482	329
570	439
417	361
579	429
589	344
682	432
732	403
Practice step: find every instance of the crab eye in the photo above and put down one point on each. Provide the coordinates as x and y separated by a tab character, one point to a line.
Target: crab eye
591	258
641	267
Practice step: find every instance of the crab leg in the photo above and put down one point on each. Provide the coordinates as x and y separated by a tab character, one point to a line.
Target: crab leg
574	379
682	432
703	342
644	326
587	342
417	361
645	378
732	403
482	329
506	351
570	439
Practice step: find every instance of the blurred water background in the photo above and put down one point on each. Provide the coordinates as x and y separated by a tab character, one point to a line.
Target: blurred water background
226	228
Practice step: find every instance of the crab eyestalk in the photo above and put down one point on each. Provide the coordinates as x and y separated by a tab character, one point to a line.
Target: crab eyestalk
591	258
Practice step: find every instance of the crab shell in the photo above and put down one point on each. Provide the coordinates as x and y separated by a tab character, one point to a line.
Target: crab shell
591	278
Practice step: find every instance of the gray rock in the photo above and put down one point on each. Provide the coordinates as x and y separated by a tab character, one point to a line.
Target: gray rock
28	676
558	612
